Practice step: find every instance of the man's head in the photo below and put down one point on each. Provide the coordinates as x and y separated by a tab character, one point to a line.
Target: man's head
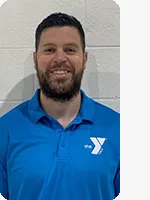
60	57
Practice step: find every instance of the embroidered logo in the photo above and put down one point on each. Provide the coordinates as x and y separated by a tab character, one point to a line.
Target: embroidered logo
98	143
1	197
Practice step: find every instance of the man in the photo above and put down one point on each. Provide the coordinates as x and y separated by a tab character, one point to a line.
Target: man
61	144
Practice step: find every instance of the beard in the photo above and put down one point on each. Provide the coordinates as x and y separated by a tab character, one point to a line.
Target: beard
60	90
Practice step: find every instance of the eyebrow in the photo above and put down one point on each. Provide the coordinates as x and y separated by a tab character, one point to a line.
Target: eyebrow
68	44
48	44
72	44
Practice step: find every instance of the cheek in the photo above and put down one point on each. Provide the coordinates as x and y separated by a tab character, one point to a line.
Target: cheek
44	62
77	62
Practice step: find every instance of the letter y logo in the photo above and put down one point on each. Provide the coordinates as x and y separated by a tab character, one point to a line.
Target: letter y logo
98	142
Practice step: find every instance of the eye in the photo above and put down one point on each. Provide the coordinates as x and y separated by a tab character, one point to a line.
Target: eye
70	50
49	50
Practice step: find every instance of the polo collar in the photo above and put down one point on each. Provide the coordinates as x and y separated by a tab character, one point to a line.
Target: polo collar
36	112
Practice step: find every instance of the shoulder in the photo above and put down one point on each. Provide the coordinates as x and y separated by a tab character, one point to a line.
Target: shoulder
8	121
105	114
14	115
108	120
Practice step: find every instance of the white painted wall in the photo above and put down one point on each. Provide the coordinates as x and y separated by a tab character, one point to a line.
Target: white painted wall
18	21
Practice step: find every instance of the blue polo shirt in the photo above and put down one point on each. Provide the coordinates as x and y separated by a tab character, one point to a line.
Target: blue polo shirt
41	160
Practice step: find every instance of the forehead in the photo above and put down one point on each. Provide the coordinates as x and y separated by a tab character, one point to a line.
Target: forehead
64	34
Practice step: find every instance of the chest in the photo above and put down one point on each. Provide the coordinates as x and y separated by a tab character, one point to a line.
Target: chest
74	155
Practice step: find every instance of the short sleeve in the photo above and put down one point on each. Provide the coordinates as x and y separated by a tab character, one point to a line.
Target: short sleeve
3	164
3	180
117	182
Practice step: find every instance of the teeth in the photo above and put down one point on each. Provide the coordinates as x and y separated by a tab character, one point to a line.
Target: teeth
60	72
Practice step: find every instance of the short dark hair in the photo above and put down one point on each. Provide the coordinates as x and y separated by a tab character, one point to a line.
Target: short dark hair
59	20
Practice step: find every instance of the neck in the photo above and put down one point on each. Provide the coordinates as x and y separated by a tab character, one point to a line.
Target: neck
62	112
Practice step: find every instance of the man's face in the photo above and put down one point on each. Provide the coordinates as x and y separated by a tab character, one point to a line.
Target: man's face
60	63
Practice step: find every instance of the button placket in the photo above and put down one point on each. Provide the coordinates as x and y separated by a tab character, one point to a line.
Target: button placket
63	147
62	140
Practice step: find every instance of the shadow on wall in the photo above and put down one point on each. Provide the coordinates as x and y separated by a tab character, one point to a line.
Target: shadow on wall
25	88
7	104
100	80
23	80
90	77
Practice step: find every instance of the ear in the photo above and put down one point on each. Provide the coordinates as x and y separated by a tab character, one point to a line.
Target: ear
35	60
85	59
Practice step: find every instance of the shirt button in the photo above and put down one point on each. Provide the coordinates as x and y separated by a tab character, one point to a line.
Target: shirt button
60	130
63	144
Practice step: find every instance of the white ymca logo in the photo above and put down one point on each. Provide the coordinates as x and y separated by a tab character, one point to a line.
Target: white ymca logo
98	142
1	197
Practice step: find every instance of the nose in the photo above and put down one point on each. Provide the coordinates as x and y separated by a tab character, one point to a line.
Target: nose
59	56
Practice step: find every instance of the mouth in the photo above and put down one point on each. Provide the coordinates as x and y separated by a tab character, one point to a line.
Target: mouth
60	72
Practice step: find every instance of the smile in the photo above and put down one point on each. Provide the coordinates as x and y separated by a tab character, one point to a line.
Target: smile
61	72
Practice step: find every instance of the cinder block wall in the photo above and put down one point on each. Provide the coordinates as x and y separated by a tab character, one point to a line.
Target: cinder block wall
18	21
